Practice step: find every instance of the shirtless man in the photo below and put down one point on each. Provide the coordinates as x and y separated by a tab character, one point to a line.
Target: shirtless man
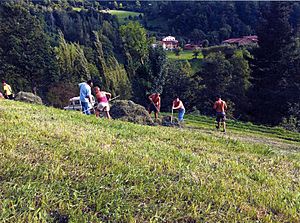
102	98
155	104
220	106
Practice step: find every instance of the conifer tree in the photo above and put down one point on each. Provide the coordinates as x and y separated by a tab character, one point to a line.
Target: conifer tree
269	64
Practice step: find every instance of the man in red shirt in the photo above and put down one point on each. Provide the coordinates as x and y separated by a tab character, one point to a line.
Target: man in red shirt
155	104
220	106
178	104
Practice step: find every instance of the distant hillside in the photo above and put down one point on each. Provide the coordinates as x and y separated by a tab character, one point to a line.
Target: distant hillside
60	166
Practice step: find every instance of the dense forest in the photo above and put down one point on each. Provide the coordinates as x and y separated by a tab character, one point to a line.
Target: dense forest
47	47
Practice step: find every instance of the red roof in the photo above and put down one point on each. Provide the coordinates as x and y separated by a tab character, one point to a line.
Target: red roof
242	41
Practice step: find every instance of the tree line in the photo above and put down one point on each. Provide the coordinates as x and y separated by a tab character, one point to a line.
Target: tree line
50	48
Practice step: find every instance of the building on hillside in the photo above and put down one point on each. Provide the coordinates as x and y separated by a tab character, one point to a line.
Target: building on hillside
245	40
169	43
192	46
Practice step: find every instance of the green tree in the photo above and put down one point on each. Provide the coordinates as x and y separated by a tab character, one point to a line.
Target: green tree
240	84
269	65
114	76
216	76
73	65
150	77
26	58
178	82
135	41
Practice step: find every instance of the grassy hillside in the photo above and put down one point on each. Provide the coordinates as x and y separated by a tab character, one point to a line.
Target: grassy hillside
61	166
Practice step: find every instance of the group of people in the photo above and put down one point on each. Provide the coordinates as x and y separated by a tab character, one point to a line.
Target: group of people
103	98
220	106
7	91
86	99
155	102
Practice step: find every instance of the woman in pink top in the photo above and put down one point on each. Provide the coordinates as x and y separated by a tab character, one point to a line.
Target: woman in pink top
102	98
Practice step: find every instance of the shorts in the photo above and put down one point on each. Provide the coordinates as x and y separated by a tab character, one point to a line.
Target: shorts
152	108
181	114
103	106
221	117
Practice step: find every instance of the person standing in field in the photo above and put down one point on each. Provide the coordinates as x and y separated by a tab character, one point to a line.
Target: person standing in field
86	96
8	94
155	104
178	105
220	106
102	99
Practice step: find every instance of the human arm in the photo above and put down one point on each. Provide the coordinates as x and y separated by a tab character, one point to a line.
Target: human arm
5	90
150	97
225	105
215	105
158	104
108	95
89	95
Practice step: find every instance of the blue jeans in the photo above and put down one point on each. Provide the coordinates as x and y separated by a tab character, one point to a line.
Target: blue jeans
181	114
85	108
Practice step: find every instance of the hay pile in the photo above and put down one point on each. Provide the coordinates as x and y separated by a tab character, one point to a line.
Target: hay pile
129	111
28	97
166	121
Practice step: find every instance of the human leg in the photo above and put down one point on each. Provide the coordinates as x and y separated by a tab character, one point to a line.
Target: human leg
223	120
218	121
107	114
85	108
181	113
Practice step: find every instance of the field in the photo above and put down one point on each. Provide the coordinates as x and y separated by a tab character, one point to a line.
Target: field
123	15
61	166
184	55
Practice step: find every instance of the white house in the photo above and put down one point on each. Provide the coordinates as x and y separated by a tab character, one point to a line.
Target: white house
169	43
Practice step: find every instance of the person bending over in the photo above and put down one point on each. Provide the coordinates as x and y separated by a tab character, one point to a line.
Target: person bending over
155	104
102	99
178	105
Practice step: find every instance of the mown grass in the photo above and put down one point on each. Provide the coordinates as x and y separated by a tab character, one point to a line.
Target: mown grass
245	128
63	166
184	55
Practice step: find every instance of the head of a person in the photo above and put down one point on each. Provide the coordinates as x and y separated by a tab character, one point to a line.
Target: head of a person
97	89
218	97
3	82
157	94
176	98
90	83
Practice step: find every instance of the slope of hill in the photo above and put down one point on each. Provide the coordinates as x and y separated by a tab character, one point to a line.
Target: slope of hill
59	166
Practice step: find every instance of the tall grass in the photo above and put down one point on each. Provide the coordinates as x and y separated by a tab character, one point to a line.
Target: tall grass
62	166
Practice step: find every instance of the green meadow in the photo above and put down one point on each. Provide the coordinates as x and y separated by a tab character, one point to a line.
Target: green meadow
124	15
184	55
62	166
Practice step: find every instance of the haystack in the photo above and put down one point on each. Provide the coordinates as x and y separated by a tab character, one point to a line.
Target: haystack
129	111
28	97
